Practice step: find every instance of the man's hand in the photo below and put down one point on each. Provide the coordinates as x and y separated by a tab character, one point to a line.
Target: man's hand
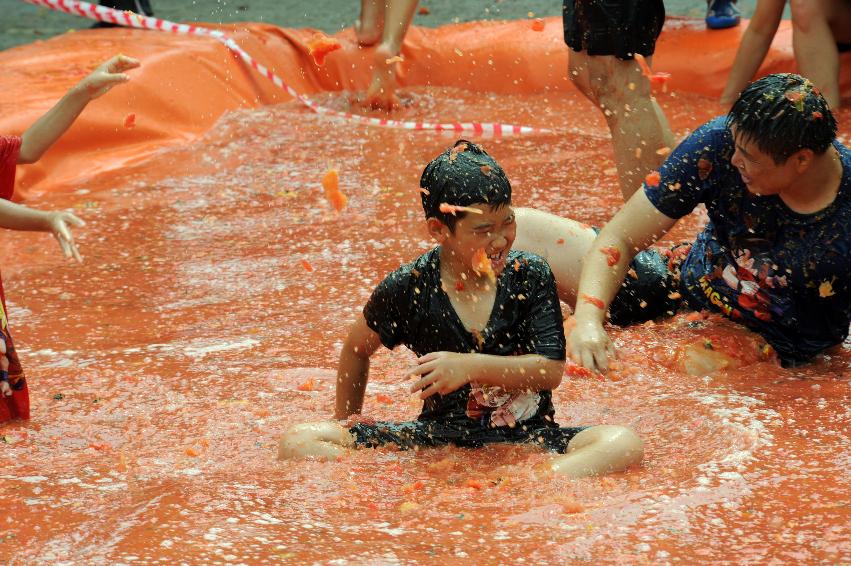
107	75
58	223
5	388
590	346
441	372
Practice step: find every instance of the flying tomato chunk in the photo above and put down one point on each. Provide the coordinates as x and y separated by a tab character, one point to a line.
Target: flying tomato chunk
306	265
452	209
320	45
331	184
130	121
538	24
654	78
482	264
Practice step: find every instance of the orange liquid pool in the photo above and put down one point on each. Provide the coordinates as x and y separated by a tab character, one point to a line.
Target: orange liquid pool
163	371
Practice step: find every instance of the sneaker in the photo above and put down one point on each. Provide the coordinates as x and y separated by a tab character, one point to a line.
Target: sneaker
722	14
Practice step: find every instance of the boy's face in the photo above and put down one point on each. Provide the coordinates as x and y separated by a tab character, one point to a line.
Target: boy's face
494	230
759	172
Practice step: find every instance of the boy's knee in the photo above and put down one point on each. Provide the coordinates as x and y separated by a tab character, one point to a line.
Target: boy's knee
320	439
618	442
297	439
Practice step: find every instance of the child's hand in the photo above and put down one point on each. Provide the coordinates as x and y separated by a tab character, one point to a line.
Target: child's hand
107	75
58	223
5	388
442	372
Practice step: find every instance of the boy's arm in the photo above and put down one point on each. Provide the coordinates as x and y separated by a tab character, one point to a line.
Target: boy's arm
18	217
444	372
353	370
47	129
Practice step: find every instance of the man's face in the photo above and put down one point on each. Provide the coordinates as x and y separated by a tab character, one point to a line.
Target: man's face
759	172
494	230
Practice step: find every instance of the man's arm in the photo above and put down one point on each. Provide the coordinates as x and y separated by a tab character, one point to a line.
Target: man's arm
47	129
635	227
353	370
444	372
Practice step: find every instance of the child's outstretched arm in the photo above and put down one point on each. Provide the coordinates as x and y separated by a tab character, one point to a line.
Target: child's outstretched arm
353	370
18	217
47	129
444	372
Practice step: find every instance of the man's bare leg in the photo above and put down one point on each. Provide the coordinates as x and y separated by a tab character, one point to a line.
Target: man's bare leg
636	122
816	28
325	440
370	23
599	450
561	241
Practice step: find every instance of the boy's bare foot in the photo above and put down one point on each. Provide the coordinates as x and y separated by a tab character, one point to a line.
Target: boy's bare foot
370	25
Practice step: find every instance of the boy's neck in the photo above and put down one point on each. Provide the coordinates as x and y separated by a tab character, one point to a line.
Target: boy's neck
456	276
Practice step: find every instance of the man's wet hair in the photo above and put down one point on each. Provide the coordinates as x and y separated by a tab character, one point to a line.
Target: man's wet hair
783	113
463	175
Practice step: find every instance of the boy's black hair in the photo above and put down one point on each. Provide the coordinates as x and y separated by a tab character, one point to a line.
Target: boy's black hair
783	113
463	175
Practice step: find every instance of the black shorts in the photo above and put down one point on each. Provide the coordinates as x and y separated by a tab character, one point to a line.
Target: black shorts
421	434
613	27
650	288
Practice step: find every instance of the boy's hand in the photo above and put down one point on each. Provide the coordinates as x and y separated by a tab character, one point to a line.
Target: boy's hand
442	372
58	223
5	388
107	75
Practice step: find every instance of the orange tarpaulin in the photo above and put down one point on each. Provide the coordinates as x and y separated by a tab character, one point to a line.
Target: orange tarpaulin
187	82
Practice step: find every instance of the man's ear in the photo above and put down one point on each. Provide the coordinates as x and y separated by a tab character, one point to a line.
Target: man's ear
803	159
437	229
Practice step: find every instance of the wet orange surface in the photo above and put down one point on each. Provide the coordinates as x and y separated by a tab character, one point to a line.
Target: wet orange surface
163	370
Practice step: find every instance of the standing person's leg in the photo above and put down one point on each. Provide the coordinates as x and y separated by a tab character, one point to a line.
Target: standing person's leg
636	122
381	93
815	46
603	40
370	23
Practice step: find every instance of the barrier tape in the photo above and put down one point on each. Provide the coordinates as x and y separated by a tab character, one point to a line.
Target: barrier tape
131	19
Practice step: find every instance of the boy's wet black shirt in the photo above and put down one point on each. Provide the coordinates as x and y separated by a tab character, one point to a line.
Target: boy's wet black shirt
410	307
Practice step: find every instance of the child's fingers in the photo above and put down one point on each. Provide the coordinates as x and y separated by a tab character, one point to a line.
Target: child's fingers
75	252
123	63
5	389
424	382
63	244
75	220
3	347
422	369
431	390
428	357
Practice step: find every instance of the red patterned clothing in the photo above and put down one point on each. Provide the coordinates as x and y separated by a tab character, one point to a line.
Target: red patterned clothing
18	405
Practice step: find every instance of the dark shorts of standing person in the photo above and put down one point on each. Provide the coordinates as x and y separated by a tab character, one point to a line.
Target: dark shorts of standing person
651	287
613	27
410	435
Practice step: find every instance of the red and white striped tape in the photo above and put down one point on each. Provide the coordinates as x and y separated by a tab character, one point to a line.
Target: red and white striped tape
130	19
